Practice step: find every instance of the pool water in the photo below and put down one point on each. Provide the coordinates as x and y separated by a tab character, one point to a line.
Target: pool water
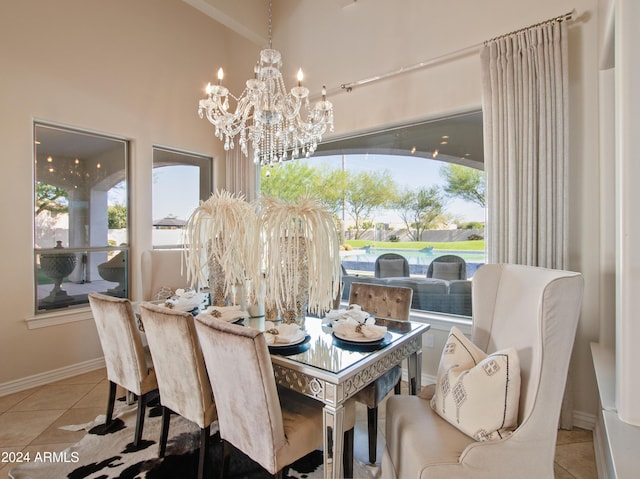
419	260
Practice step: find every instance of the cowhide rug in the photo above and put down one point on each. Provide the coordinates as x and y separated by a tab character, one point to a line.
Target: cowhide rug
110	454
104	454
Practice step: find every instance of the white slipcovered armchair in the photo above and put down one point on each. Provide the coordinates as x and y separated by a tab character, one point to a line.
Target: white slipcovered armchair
534	310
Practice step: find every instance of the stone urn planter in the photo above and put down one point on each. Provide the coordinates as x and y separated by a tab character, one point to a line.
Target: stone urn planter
57	266
114	271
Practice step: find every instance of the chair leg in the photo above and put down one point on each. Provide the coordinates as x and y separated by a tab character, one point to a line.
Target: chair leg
110	403
204	445
372	426
347	458
142	402
226	455
397	389
164	430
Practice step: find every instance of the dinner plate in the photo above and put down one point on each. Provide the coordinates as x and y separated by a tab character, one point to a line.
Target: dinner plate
287	345
363	347
341	337
291	348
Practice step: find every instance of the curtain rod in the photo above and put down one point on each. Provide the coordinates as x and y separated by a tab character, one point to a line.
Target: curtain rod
348	87
561	18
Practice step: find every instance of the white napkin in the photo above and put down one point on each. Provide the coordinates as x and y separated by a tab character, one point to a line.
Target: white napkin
354	311
227	313
351	329
286	333
185	300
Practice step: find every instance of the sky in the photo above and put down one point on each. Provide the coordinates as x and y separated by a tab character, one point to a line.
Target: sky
174	192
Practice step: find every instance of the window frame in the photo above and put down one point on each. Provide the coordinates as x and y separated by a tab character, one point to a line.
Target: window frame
85	248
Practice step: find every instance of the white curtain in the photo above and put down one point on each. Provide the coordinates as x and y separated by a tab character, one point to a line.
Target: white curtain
525	105
525	109
241	174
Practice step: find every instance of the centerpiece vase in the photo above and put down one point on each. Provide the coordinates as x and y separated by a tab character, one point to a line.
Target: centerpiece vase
296	301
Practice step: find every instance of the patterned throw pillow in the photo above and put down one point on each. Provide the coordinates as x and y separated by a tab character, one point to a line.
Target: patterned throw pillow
476	392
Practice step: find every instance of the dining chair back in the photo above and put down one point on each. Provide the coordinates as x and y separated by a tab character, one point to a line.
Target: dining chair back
182	377
387	302
533	310
128	364
272	426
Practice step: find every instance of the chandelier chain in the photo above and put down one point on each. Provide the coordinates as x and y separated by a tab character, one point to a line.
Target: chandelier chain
270	25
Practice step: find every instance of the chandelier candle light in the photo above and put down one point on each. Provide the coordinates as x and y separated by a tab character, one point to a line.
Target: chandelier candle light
279	125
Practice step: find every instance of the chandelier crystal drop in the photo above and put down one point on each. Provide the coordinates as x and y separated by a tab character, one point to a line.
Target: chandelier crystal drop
279	125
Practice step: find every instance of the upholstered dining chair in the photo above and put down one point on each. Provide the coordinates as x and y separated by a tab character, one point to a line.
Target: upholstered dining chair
161	269
128	362
448	267
271	425
533	310
386	302
182	377
391	265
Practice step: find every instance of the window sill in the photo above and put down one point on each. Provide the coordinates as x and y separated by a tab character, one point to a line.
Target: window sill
59	317
442	322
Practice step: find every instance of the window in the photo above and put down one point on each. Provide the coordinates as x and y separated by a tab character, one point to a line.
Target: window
81	241
180	181
416	191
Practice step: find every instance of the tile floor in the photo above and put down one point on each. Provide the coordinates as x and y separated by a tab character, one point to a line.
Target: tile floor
29	422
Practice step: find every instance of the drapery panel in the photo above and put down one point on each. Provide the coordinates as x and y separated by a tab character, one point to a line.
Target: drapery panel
525	105
241	174
525	113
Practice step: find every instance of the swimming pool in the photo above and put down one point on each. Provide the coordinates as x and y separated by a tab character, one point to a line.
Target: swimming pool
419	260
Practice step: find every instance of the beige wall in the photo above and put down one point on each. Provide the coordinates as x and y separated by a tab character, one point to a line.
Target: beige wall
136	69
131	69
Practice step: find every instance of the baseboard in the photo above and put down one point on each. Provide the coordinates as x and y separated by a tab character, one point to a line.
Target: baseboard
47	377
584	420
602	453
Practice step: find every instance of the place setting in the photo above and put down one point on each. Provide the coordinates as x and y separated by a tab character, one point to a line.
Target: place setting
230	314
355	329
285	338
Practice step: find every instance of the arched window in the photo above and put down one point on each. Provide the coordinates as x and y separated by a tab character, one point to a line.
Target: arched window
411	190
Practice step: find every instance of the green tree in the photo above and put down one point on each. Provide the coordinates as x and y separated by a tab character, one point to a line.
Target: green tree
117	216
464	182
287	181
292	179
420	209
367	191
51	198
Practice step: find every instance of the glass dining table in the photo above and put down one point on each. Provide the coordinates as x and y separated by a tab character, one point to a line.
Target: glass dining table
333	370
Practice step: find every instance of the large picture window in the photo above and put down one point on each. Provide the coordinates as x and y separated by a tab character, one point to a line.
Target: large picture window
409	203
81	241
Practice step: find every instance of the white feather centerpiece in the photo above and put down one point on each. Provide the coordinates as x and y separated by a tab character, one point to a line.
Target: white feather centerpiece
224	248
302	258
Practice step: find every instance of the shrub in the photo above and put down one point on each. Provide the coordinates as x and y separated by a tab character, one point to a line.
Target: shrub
475	237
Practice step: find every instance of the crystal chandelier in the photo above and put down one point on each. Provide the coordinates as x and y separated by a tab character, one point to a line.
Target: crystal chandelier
279	125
